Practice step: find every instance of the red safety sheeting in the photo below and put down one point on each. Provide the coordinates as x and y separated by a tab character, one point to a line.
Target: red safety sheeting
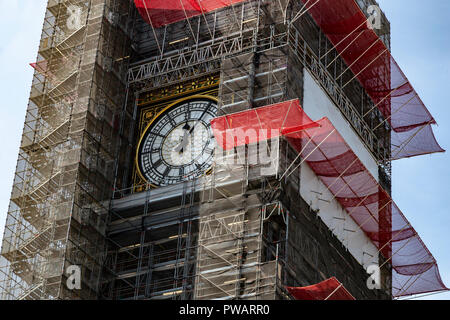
346	27
40	66
330	289
260	124
159	13
337	166
43	69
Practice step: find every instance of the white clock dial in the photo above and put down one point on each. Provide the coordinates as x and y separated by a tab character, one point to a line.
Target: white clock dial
178	145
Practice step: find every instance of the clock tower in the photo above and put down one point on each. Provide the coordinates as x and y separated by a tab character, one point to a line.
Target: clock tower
189	219
206	149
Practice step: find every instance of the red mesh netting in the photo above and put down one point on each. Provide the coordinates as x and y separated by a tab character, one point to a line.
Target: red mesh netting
366	55
259	124
333	161
40	66
159	13
330	289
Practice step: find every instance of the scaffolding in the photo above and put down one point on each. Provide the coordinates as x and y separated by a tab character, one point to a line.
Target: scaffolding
222	236
348	182
206	239
256	54
247	34
58	209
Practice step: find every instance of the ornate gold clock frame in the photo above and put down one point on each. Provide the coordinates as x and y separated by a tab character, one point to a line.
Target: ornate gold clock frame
153	103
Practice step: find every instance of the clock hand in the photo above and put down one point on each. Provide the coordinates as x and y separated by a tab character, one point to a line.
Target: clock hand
198	120
184	142
189	131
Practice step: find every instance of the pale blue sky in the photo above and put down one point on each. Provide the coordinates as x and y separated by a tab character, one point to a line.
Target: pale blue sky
420	44
20	31
421	186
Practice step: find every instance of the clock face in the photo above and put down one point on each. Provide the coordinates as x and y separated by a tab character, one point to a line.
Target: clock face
178	145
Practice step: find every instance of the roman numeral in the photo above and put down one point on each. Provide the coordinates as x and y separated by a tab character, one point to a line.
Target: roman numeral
166	172
188	111
155	150
172	122
157	134
157	163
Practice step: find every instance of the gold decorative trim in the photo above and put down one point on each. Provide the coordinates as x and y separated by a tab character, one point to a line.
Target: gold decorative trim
181	89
